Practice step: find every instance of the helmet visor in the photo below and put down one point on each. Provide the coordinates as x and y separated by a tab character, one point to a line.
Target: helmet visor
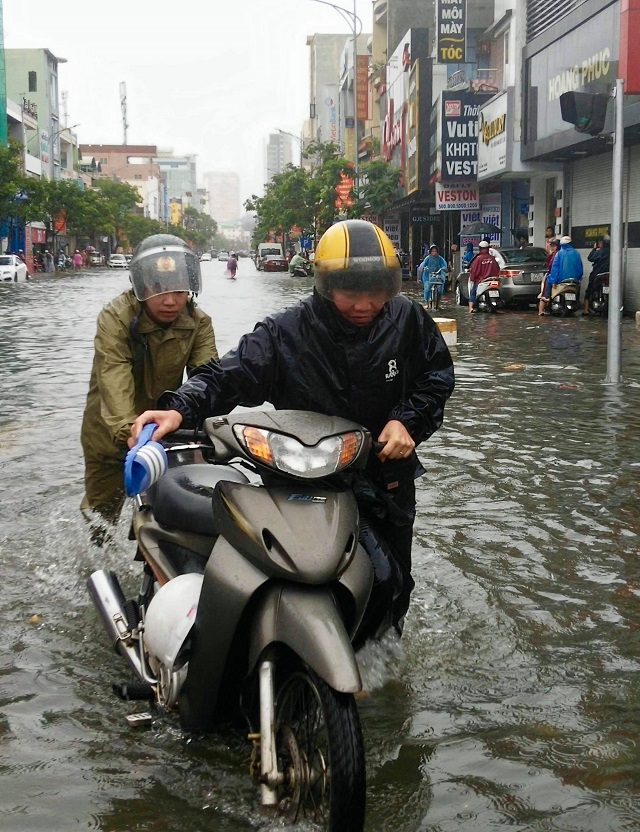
359	274
163	270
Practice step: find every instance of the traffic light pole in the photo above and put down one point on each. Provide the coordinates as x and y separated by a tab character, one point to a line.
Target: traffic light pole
615	282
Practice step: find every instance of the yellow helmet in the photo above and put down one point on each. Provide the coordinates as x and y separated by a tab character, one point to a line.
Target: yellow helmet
356	256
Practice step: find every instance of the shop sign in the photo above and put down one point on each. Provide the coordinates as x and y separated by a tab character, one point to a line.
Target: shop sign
585	59
60	223
362	92
424	218
459	146
494	147
458	197
451	31
373	218
392	230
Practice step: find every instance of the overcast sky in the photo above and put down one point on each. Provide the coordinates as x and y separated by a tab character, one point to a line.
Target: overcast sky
211	77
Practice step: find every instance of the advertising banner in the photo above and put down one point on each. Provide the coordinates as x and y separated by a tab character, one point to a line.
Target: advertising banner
458	197
451	31
362	83
495	145
392	230
459	146
343	191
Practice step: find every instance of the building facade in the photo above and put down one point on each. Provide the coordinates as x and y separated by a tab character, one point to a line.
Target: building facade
32	80
278	154
223	194
180	174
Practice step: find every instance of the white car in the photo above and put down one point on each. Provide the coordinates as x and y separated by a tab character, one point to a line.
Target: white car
223	255
12	269
118	261
205	256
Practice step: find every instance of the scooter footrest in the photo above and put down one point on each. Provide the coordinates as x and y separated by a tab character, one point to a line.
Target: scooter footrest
133	691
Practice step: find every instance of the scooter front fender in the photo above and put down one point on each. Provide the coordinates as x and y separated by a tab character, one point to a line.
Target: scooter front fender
307	620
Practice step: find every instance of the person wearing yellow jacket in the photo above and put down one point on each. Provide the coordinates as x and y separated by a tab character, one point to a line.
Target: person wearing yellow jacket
146	338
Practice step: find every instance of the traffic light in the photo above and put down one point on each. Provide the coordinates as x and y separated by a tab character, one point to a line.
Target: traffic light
586	111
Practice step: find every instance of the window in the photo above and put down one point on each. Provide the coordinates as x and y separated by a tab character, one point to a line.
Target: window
33	81
137	176
103	160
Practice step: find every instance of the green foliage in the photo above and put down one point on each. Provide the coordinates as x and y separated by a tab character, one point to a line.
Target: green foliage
307	198
200	228
379	188
11	177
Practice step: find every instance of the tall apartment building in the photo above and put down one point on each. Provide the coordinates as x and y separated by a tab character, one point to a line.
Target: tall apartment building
223	190
278	154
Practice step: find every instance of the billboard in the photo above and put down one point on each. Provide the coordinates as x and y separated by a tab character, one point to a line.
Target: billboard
362	83
451	31
459	130
458	197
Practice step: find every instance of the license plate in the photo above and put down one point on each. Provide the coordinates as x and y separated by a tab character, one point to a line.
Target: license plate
494	293
605	290
569	296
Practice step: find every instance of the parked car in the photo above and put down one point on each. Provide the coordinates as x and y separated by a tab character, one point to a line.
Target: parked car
118	261
265	250
522	271
223	255
96	259
274	263
12	269
205	256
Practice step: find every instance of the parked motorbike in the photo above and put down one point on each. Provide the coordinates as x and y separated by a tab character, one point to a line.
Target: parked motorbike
488	297
565	298
599	300
253	593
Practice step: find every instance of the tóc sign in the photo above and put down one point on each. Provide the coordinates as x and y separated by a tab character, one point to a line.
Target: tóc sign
451	31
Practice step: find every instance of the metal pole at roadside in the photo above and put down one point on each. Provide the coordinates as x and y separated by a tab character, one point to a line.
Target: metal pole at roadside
355	96
614	329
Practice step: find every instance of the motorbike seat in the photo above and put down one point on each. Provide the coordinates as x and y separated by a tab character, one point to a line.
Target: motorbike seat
182	497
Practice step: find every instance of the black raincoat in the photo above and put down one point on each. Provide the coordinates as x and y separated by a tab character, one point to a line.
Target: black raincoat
308	357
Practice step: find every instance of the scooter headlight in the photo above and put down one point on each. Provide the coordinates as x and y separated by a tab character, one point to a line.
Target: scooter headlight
278	450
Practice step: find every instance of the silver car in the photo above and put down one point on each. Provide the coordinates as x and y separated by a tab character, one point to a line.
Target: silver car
522	271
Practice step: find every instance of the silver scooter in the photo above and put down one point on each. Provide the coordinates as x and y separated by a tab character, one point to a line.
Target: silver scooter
254	589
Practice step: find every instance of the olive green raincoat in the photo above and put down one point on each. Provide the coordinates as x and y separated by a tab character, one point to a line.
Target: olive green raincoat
132	366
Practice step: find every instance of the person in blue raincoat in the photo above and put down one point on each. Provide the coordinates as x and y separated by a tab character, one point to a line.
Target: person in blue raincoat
468	255
567	265
433	269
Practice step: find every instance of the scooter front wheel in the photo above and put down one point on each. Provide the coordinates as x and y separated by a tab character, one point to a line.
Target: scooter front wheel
320	753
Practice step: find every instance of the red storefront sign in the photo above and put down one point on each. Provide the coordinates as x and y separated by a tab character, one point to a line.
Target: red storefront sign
362	84
629	65
392	133
343	189
38	236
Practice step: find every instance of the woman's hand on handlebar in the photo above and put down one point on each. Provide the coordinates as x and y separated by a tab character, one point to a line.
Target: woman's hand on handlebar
166	420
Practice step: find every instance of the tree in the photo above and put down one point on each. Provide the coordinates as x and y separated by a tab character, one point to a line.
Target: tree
11	178
201	228
379	188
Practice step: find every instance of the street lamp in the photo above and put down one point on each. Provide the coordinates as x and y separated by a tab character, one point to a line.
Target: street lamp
352	18
297	138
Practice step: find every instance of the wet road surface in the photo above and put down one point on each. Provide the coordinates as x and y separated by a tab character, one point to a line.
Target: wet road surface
514	699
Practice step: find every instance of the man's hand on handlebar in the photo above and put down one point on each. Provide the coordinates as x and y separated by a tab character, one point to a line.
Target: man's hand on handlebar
166	420
397	441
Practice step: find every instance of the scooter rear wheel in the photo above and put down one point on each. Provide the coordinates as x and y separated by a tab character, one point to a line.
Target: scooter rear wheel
321	753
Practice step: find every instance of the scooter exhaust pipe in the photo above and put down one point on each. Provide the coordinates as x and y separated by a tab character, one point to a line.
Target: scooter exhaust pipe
109	600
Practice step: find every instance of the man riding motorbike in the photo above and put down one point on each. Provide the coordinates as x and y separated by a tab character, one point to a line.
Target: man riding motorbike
145	339
355	349
566	266
483	265
600	256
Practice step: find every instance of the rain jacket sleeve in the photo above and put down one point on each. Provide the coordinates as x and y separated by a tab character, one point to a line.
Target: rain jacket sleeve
421	410
112	362
204	345
243	376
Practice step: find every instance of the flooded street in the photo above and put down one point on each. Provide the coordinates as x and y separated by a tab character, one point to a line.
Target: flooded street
514	699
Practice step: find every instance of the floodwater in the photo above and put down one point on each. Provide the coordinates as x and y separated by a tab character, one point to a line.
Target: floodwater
514	698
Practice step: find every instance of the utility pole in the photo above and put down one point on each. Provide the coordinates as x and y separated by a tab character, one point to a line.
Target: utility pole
3	85
614	330
123	108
